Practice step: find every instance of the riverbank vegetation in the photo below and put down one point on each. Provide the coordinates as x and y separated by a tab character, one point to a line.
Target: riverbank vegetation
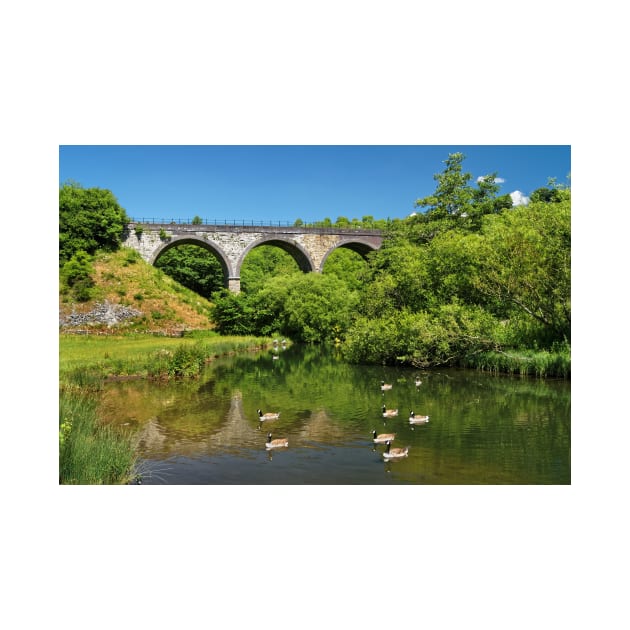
90	452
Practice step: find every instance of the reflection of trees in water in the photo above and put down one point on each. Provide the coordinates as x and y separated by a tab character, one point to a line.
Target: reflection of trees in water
474	416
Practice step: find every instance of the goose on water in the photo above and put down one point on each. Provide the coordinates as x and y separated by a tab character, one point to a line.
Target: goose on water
277	443
268	416
385	386
418	382
389	413
413	419
381	438
395	453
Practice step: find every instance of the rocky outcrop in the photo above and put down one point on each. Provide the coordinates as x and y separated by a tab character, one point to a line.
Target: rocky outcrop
103	313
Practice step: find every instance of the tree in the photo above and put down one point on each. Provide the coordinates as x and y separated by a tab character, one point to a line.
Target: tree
453	195
526	262
193	266
455	203
89	219
263	262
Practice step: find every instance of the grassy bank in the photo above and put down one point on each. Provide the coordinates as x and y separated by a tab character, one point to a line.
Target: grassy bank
93	453
146	355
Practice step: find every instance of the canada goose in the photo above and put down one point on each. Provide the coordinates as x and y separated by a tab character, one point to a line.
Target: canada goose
389	413
381	438
413	419
418	382
277	443
268	415
393	453
385	386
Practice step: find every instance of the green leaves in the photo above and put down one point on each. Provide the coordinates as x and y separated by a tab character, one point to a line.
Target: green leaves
306	307
89	219
195	267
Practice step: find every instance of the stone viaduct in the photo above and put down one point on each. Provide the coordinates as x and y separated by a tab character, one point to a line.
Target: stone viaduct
309	247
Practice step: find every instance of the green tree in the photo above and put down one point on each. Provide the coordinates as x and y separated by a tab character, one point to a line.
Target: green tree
193	266
525	262
89	219
306	307
264	262
348	266
319	307
231	313
455	203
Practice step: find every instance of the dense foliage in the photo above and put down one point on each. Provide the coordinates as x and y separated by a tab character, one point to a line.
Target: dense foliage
194	267
470	276
306	307
89	219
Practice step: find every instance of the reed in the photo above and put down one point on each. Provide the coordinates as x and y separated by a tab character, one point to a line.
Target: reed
89	452
554	363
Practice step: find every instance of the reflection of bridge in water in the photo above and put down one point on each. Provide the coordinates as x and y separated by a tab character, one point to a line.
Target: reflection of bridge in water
235	432
309	247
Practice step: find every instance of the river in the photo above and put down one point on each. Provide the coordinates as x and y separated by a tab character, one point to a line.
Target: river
482	429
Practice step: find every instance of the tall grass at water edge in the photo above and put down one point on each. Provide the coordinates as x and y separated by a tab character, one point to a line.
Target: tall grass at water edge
89	452
555	363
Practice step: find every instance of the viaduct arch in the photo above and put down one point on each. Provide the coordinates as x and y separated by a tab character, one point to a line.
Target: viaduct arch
309	247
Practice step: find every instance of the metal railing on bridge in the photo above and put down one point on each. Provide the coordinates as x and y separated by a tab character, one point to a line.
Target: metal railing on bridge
231	222
245	223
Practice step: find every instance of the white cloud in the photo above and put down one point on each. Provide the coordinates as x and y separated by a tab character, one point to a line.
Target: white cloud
497	180
518	198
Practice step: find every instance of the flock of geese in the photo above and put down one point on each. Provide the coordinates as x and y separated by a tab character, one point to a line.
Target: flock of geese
388	438
382	438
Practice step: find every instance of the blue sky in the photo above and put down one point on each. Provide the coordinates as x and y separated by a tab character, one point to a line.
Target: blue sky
283	183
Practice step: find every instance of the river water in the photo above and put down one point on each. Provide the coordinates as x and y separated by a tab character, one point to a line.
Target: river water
483	429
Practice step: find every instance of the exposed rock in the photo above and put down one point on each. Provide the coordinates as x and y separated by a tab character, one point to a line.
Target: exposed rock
102	313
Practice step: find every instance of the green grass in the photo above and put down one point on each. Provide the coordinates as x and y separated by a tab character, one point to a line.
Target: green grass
144	354
539	363
89	452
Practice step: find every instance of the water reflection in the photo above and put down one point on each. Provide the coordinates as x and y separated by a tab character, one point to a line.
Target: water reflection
483	429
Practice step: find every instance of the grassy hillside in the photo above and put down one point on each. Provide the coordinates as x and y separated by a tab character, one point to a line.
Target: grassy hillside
126	284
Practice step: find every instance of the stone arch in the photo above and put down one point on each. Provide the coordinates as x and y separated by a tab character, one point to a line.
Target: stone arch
175	241
297	252
363	248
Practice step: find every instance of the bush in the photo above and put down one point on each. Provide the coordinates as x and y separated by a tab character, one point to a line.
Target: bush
77	275
422	339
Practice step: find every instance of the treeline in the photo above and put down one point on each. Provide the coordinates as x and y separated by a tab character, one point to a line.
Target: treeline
367	222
